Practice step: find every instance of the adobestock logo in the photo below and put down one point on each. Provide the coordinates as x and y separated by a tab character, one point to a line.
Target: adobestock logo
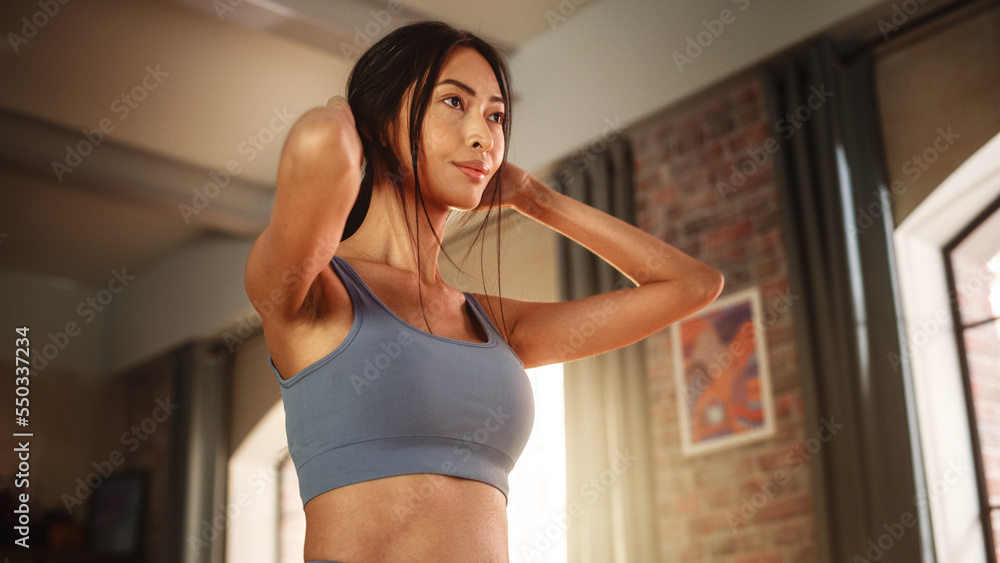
131	438
704	39
892	532
701	378
249	149
787	126
941	321
566	9
431	483
86	310
31	26
582	158
260	480
375	365
547	534
366	36
913	168
797	459
122	106
900	15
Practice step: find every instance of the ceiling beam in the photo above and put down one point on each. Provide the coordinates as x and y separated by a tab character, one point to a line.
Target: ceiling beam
345	27
212	199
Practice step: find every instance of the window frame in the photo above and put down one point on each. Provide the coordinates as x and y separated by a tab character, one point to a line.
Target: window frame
986	509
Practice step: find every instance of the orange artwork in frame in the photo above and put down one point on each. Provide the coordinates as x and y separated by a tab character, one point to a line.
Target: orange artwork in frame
722	375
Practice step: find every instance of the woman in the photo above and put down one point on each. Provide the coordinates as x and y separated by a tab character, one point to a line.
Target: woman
406	400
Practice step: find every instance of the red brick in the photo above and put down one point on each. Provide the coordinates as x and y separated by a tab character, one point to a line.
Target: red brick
780	508
688	140
719	125
647	184
806	555
749	114
751	541
788	433
790	533
738	251
724	545
691	552
721	497
663	132
696	184
721	171
729	233
775	460
699	202
687	504
710	153
709	524
718	472
767	221
664	196
769	267
748	93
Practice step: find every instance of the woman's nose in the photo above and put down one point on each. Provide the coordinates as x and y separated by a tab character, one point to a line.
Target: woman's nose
478	134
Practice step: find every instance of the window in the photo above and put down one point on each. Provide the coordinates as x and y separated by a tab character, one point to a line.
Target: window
973	260
291	517
536	505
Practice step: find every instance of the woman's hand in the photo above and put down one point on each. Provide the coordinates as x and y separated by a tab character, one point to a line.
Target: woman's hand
670	284
517	191
339	112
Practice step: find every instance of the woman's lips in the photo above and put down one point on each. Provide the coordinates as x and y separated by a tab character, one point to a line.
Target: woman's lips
473	169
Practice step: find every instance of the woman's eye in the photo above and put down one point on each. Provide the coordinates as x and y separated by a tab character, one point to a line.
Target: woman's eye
498	117
456	99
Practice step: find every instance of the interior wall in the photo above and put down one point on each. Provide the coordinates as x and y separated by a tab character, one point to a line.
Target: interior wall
529	267
706	185
87	431
630	48
255	388
939	98
620	61
76	421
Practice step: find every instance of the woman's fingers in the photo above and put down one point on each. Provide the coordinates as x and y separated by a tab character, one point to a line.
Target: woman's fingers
340	106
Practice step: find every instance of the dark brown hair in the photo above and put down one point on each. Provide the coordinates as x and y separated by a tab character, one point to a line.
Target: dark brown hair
411	57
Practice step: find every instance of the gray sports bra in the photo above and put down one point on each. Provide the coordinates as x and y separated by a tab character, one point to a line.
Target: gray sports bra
394	400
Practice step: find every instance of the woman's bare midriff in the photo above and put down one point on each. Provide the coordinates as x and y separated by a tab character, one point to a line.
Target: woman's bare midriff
409	518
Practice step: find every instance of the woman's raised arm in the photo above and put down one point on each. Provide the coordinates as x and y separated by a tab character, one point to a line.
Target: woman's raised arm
319	176
671	284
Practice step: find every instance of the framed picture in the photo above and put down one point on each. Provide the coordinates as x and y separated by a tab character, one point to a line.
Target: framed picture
118	514
722	375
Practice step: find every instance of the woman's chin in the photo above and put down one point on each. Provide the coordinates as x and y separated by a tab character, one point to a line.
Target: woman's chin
470	203
466	206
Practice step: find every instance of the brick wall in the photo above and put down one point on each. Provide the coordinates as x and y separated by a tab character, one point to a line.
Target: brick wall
752	502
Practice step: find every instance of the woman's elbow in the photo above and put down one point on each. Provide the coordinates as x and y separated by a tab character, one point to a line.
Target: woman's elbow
708	285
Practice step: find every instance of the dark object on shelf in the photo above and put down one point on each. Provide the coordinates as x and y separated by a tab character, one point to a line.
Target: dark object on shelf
117	514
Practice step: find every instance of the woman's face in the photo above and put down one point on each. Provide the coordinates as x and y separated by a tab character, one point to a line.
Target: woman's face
462	142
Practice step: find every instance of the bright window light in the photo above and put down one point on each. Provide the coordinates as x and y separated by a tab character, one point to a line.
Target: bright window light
536	505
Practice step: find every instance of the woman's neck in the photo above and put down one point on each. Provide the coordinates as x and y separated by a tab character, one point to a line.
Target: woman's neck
384	236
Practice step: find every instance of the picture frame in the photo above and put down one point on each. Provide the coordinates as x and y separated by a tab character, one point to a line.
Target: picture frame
722	375
117	514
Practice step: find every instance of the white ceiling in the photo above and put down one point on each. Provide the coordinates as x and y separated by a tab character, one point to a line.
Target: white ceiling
208	82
